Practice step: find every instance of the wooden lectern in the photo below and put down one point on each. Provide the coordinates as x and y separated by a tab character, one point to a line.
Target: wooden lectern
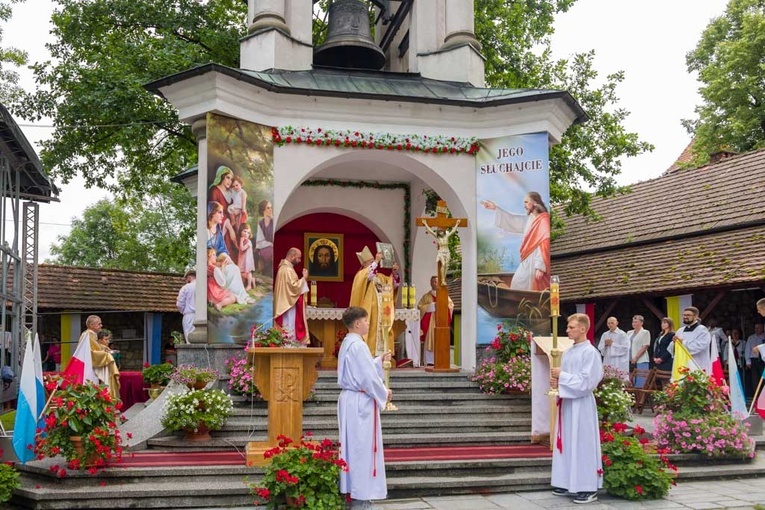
284	376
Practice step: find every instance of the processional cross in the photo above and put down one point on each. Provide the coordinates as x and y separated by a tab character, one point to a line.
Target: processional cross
442	227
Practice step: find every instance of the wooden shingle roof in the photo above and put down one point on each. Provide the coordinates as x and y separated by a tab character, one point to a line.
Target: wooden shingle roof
82	288
690	229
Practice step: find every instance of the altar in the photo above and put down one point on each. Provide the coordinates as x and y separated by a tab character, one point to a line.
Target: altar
326	323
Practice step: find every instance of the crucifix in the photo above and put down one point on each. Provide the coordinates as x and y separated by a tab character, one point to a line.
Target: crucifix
442	228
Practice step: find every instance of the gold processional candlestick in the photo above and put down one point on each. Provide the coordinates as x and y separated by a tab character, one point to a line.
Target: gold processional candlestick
555	353
386	323
314	297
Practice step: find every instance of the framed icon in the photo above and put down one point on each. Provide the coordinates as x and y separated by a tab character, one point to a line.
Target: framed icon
324	256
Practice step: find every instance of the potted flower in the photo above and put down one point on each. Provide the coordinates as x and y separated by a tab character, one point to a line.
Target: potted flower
81	425
197	412
271	337
613	400
9	480
193	377
631	469
240	377
304	474
157	375
692	417
506	366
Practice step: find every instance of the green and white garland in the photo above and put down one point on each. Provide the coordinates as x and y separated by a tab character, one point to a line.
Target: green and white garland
382	141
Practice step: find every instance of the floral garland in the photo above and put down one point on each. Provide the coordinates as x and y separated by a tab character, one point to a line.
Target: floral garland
383	141
379	185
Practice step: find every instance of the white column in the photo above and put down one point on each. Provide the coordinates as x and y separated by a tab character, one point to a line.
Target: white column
263	14
299	18
460	23
199	335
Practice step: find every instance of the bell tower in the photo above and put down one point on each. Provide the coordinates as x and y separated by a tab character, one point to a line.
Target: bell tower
279	35
434	38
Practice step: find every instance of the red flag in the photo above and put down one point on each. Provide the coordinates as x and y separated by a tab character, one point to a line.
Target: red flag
717	370
80	367
760	406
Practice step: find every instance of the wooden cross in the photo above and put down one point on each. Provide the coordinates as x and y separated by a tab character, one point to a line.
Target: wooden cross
441	349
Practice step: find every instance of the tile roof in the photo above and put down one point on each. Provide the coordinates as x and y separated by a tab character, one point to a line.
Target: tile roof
685	157
455	292
687	230
685	202
702	262
82	288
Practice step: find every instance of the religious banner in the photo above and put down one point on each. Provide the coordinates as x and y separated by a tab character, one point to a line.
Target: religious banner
240	228
513	230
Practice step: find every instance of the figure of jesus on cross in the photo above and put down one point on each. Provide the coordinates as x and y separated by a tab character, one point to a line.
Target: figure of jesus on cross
442	228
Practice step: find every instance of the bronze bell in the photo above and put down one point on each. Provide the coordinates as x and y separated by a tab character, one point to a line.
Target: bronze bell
349	42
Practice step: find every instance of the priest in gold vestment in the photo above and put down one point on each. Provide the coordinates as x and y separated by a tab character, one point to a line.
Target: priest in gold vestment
289	298
104	365
427	307
366	293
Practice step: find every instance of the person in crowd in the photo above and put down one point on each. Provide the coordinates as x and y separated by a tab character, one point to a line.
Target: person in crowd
696	339
362	396
577	466
718	335
640	342
754	364
662	359
52	361
104	365
614	345
185	302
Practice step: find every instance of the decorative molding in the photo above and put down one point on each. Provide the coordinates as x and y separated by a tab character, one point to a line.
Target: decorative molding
349	138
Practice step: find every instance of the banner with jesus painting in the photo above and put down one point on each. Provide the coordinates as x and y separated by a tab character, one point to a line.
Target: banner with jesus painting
240	228
513	229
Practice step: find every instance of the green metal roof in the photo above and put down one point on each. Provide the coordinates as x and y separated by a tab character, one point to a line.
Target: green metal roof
381	85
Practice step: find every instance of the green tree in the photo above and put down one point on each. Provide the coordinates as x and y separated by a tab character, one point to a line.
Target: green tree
136	234
116	134
10	59
730	61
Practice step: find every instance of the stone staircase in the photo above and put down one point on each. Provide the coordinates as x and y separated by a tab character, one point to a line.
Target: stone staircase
434	410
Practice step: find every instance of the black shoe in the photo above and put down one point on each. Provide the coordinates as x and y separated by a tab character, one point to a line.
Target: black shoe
561	492
585	497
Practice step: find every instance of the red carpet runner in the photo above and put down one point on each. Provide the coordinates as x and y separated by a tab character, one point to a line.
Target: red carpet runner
227	458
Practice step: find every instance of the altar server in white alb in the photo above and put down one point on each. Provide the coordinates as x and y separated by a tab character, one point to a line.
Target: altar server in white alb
615	347
696	339
362	396
185	302
577	469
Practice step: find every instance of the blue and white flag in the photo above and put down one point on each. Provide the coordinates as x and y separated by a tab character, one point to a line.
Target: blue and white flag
26	410
39	383
737	401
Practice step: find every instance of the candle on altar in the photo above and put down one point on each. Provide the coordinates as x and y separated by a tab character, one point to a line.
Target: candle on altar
313	294
405	295
412	296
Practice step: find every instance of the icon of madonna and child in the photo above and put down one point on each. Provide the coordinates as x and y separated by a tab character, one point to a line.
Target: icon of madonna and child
239	265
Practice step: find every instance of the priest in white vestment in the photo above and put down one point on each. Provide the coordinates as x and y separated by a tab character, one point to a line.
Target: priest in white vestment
362	395
577	468
696	339
615	347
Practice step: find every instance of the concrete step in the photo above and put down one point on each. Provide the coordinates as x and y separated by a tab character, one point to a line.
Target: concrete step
393	422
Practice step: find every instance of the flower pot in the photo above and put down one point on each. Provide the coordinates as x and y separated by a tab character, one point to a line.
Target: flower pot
155	392
199	384
80	449
202	433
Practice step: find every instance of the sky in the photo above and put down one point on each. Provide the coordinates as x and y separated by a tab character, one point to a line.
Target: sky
647	40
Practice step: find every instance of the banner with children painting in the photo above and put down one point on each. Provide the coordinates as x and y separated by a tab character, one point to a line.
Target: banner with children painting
513	224
240	228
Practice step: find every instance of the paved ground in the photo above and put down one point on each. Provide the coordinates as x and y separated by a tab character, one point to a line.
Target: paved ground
742	494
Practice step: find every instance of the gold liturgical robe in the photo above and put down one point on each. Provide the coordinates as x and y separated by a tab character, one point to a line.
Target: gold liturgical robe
287	290
364	294
104	365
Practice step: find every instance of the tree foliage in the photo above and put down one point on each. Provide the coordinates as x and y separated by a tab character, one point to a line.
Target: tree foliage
515	41
730	61
10	58
149	234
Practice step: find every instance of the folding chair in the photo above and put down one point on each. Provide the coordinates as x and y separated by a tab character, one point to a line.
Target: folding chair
642	393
